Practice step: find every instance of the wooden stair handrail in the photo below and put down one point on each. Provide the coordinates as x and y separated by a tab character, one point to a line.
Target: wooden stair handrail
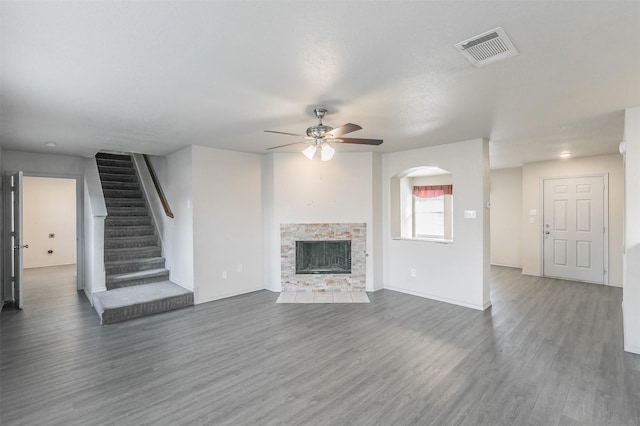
156	183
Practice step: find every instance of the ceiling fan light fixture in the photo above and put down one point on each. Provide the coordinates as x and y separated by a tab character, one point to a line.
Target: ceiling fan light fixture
326	152
309	151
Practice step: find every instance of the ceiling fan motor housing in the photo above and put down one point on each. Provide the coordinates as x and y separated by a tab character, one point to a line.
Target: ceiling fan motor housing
319	131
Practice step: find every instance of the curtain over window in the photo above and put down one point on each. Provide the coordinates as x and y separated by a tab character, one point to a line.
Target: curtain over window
432	191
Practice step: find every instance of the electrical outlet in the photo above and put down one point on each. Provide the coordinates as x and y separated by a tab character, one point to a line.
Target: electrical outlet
239	267
224	275
413	272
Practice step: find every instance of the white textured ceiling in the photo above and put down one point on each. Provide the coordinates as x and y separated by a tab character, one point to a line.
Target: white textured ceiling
156	76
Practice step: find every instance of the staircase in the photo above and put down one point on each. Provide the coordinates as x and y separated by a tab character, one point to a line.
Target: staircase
136	278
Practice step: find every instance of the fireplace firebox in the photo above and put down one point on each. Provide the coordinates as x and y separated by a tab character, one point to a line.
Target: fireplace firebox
323	257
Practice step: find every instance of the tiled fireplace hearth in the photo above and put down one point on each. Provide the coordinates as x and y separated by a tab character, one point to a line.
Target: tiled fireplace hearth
355	233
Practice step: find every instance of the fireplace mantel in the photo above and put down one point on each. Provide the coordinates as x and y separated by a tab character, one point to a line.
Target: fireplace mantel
354	232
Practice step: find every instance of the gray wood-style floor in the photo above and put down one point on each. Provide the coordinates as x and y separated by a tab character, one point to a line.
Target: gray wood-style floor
548	352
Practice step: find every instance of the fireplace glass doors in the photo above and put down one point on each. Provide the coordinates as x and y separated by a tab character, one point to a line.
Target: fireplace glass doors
323	257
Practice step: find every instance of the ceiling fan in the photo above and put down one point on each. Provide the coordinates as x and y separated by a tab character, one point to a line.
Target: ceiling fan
321	136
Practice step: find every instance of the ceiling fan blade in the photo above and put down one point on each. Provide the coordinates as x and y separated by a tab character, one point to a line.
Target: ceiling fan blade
287	144
343	130
360	141
285	133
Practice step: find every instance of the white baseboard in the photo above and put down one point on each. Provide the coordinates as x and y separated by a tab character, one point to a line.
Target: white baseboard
90	294
632	349
507	266
225	296
440	299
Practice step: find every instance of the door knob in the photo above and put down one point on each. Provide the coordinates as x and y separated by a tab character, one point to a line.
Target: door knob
547	232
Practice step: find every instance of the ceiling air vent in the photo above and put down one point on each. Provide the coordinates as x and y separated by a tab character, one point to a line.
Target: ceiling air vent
487	48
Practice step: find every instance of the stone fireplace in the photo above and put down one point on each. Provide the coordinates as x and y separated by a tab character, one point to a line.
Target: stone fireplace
323	256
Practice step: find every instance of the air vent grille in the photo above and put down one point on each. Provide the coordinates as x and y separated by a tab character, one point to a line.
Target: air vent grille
488	47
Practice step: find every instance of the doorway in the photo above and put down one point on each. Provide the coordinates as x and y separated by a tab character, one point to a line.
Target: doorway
575	231
45	219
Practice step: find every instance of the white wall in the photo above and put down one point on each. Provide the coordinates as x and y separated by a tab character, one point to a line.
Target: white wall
506	217
532	175
95	212
177	234
457	272
227	223
631	286
342	190
49	207
42	164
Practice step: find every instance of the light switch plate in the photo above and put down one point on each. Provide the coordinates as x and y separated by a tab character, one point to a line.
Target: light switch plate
469	214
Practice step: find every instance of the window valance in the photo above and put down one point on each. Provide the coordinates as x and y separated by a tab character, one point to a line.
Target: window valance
432	191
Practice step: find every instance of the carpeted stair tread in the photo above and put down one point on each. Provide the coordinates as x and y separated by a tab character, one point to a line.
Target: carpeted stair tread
114	254
113	162
130	242
128	231
127	211
120	185
117	170
110	177
132	265
134	302
109	155
122	193
136	275
125	202
136	278
118	221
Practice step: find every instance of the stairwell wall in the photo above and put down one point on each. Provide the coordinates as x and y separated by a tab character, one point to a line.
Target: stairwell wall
178	233
95	213
227	223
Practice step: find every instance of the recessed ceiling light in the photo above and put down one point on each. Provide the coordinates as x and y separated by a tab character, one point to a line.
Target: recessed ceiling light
50	144
565	154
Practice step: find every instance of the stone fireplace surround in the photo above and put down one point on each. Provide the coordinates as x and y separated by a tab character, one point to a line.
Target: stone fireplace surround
292	232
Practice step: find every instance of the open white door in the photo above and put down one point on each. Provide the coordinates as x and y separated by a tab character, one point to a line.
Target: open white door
574	228
16	237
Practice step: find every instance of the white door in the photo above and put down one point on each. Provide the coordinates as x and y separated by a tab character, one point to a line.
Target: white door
574	228
16	237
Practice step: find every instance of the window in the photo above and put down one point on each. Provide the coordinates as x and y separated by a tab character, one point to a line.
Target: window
428	217
421	201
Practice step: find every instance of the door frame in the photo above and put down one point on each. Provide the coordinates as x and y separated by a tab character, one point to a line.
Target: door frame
605	218
6	244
